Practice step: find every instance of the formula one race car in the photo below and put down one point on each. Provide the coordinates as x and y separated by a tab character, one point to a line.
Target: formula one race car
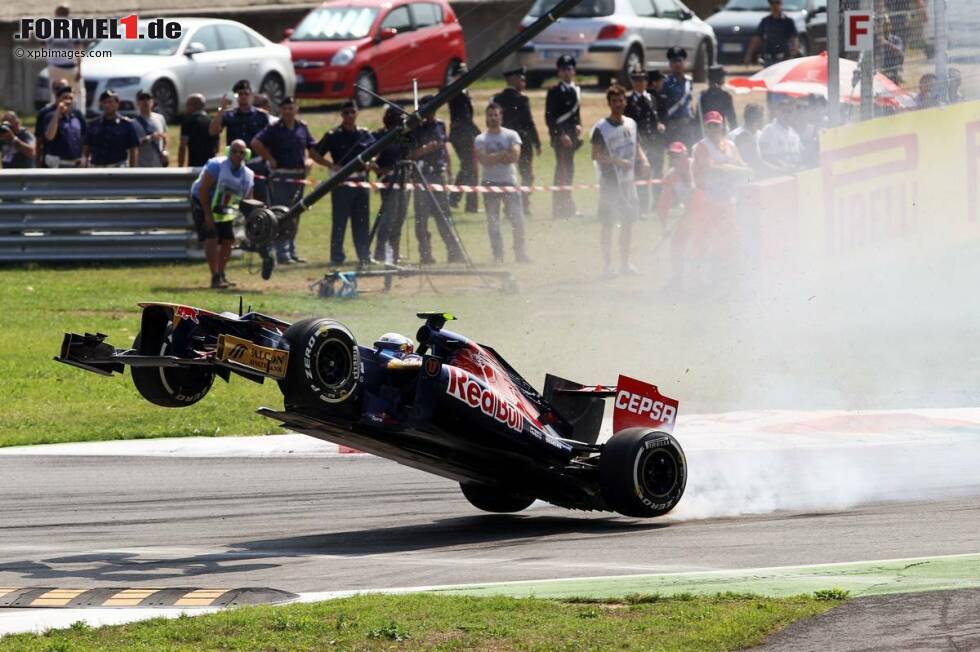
452	407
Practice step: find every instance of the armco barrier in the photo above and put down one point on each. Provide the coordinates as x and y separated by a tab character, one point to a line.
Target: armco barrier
95	214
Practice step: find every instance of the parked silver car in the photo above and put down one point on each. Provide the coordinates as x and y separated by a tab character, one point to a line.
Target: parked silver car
609	37
208	58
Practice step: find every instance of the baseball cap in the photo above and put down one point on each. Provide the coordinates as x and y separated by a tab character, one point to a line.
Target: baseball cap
713	118
677	147
566	61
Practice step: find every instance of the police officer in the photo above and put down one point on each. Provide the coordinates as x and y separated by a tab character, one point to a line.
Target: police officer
244	122
776	36
110	141
394	202
429	149
64	132
716	98
679	97
285	147
462	132
344	144
517	115
655	87
561	113
642	108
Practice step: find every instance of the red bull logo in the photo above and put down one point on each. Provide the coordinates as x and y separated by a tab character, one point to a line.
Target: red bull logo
186	312
464	387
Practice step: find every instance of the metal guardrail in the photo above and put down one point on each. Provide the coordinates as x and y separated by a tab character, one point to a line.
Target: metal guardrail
95	214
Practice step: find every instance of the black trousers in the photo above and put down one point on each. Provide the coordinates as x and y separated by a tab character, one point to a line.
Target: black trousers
425	207
353	204
562	204
391	217
466	176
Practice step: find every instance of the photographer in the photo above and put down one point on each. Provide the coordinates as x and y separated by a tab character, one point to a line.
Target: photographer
394	201
16	143
151	128
64	131
244	122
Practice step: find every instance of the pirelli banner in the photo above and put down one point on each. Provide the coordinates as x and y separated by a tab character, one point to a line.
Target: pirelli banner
908	177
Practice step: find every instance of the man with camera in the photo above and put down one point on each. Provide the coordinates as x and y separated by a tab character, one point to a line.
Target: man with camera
151	128
64	132
244	122
16	143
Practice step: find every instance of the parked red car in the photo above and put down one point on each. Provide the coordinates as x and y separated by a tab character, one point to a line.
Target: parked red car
377	44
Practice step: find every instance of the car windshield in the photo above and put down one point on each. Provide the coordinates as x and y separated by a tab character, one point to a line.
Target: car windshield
335	24
150	47
762	5
584	9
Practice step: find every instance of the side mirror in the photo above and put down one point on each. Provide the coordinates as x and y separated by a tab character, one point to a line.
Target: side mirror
686	15
194	48
286	33
819	10
386	33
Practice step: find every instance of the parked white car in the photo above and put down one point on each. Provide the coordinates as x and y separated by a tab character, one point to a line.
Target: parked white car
208	58
610	37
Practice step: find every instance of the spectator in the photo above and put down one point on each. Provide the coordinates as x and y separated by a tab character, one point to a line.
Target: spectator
68	68
678	185
642	108
516	108
561	113
462	132
779	144
16	143
64	131
429	149
498	149
810	119
716	98
111	140
40	120
746	139
261	101
151	128
215	196
345	144
197	145
678	91
394	202
244	122
928	96
776	37
889	50
615	150
287	148
717	170
954	80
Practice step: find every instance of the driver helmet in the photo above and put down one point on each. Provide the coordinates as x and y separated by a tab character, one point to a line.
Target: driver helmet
395	342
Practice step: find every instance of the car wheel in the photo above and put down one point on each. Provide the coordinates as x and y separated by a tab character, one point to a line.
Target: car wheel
642	472
165	98
804	46
171	387
535	79
702	61
366	80
634	59
324	366
448	77
494	499
274	88
605	80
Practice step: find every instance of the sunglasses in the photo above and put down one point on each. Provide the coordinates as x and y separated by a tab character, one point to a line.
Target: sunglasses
348	112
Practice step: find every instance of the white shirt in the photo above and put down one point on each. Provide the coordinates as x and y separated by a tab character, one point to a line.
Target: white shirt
780	145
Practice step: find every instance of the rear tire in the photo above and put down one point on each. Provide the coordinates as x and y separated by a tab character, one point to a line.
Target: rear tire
494	499
642	472
171	387
535	79
324	366
702	61
634	59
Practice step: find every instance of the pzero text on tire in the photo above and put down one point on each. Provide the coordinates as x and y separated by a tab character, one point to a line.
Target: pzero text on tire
169	386
494	499
642	472
324	364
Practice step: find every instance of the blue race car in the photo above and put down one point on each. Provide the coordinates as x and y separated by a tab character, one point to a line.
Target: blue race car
451	406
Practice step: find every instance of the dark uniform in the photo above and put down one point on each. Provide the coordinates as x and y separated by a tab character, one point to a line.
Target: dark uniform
775	33
643	109
354	203
287	145
434	168
246	125
720	100
462	132
394	202
516	111
67	143
561	113
678	92
110	140
201	145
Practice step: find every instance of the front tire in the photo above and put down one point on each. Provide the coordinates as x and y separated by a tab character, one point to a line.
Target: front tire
366	79
702	61
274	88
324	367
634	59
642	472
165	99
494	499
171	387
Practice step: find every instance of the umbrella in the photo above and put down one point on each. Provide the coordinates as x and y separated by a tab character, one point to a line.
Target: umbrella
808	76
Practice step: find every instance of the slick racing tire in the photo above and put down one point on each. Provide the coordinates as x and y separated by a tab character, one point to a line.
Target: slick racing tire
494	499
171	387
642	472
324	367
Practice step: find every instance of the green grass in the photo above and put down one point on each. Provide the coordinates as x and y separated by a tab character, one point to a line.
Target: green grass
433	622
